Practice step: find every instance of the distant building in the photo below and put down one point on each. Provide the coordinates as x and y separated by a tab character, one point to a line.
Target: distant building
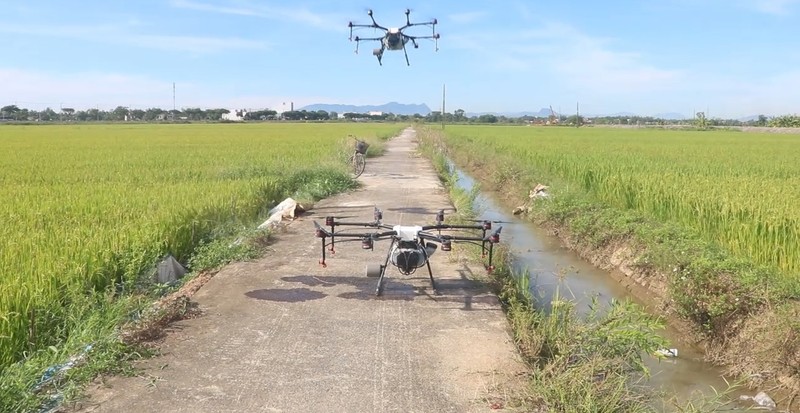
235	115
375	113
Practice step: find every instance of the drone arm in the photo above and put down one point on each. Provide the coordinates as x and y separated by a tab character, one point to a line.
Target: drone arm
434	36
409	24
374	23
373	224
449	226
363	39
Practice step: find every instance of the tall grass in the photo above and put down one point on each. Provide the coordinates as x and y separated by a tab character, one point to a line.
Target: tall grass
88	209
737	190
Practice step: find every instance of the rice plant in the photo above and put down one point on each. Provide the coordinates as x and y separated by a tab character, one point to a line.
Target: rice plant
738	190
88	209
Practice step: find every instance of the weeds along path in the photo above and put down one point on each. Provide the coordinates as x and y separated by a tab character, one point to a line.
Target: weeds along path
284	334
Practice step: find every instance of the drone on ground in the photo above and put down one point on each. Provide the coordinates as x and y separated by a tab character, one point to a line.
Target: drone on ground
411	246
394	38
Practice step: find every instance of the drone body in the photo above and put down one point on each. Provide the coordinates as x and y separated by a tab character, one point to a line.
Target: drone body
394	38
411	245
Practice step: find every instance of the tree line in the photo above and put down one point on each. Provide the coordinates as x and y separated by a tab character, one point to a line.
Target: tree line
123	113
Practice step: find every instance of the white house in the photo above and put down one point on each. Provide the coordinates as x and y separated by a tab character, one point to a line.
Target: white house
235	115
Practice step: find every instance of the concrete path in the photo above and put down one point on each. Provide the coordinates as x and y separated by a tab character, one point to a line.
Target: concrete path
282	334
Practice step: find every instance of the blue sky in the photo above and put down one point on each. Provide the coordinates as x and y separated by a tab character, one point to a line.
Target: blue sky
732	58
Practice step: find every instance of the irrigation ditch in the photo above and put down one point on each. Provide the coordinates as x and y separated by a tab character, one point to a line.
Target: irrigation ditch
556	268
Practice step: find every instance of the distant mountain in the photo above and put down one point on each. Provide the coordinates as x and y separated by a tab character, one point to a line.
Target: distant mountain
542	113
669	116
391	107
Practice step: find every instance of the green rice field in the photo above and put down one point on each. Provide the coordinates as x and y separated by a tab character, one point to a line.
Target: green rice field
739	190
88	208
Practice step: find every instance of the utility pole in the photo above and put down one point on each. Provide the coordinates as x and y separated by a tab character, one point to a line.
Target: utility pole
577	114
443	101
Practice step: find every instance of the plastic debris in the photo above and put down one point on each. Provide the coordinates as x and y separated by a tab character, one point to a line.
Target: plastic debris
58	370
539	191
169	270
288	209
667	352
762	399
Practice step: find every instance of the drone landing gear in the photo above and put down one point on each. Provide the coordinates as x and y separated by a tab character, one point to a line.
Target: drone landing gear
433	283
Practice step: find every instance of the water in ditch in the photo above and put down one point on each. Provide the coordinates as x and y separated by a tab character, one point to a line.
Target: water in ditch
552	266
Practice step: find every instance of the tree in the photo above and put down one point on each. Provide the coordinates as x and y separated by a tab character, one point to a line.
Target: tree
700	120
93	114
119	113
10	111
137	114
195	113
292	115
215	114
152	114
434	116
487	118
260	115
48	115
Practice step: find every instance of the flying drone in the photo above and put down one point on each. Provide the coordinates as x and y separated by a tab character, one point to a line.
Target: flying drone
394	38
410	246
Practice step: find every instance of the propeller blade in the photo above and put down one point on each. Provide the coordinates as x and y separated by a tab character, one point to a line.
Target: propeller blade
491	220
320	231
494	237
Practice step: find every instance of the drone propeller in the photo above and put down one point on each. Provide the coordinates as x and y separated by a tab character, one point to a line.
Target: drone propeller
494	237
321	232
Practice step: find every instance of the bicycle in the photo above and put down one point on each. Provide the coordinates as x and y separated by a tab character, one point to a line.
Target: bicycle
358	161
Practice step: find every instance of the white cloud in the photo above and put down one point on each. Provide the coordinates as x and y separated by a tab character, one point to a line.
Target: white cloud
86	90
466	17
293	14
37	90
737	97
568	57
776	7
123	35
